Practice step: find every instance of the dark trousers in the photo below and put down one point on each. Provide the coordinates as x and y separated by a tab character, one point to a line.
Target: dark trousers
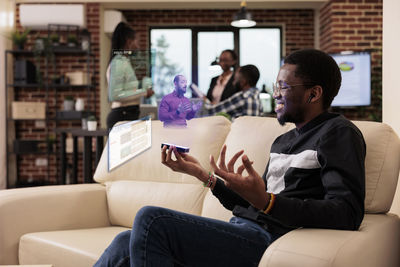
128	113
166	238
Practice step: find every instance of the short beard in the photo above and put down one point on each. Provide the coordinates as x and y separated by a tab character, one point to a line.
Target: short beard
282	121
287	118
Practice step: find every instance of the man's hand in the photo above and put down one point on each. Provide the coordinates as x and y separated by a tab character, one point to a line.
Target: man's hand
184	163
251	187
149	92
184	108
197	106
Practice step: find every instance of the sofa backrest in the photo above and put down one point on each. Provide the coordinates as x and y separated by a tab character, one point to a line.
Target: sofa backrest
157	185
204	136
382	165
145	181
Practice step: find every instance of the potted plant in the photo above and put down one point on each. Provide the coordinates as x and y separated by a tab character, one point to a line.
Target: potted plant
55	39
51	143
68	103
72	40
19	38
91	123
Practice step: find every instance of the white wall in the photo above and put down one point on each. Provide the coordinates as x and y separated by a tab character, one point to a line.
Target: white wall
6	23
391	70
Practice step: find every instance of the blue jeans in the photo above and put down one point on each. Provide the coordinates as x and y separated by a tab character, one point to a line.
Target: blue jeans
164	237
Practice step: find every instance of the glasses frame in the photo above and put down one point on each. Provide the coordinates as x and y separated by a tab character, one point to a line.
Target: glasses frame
277	88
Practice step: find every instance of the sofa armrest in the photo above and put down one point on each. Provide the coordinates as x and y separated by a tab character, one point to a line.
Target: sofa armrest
48	208
377	243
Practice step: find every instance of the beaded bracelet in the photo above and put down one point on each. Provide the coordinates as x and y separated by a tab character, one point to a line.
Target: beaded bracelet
210	181
270	204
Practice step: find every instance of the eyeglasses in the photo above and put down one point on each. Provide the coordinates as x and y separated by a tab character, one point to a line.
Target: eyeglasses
279	86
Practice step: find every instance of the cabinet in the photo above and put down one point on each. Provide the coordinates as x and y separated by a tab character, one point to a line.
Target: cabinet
35	89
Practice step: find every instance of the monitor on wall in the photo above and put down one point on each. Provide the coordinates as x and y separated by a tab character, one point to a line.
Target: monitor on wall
356	79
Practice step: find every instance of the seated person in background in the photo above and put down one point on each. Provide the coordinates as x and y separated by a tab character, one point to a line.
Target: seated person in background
175	108
222	87
244	103
315	178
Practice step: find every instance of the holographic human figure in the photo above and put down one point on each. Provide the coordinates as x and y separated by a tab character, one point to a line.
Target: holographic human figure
175	108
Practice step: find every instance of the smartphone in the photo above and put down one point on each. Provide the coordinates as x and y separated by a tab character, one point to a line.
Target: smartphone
180	149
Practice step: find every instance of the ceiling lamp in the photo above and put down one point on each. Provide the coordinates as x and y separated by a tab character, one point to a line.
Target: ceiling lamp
243	19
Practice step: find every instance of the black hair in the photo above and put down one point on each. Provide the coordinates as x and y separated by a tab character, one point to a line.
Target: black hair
317	68
122	33
233	55
177	77
250	73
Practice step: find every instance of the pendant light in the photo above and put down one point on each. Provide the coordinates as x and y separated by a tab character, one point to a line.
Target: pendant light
243	19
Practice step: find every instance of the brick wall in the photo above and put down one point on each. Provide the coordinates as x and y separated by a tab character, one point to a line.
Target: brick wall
298	24
27	171
356	25
345	25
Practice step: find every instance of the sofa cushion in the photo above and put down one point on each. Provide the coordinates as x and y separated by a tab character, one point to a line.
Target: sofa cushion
204	136
70	248
381	165
125	198
255	135
375	244
212	208
48	208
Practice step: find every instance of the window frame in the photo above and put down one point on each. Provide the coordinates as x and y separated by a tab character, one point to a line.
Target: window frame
196	29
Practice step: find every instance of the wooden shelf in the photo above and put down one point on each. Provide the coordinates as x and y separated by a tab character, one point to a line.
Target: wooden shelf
53	85
56	50
72	114
27	85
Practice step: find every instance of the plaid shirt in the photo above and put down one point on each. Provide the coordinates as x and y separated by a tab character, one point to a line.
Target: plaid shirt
244	103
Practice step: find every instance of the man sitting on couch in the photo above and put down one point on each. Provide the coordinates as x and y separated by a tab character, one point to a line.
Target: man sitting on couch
314	178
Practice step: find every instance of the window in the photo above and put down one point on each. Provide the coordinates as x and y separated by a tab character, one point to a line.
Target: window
209	47
190	51
171	51
262	48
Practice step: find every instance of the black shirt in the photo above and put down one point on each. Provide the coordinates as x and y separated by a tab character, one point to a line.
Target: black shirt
317	174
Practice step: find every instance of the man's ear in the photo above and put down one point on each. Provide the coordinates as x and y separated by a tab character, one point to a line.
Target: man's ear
316	93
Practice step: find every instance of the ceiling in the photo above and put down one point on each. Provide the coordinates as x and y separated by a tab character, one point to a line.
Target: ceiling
194	4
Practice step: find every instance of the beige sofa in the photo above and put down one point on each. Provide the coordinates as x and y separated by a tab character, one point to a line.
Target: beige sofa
71	225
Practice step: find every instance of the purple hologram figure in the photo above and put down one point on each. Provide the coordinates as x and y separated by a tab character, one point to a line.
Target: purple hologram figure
175	108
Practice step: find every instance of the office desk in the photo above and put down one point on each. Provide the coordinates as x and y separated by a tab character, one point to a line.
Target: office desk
87	152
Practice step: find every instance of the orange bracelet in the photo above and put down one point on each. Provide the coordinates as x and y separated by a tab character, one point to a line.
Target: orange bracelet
270	204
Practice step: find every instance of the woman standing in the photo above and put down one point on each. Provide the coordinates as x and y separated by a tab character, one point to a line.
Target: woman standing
221	87
123	86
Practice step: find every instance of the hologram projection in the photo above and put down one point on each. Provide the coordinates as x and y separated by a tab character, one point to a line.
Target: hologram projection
175	108
127	140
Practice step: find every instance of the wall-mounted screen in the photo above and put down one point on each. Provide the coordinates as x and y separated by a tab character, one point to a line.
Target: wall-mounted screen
356	79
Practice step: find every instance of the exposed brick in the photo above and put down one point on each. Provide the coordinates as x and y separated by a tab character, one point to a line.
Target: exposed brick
366	34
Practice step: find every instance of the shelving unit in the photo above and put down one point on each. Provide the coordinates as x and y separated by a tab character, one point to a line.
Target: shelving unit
36	142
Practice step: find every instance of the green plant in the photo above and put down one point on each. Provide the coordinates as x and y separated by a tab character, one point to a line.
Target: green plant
19	38
224	114
69	98
71	38
55	38
42	49
91	118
